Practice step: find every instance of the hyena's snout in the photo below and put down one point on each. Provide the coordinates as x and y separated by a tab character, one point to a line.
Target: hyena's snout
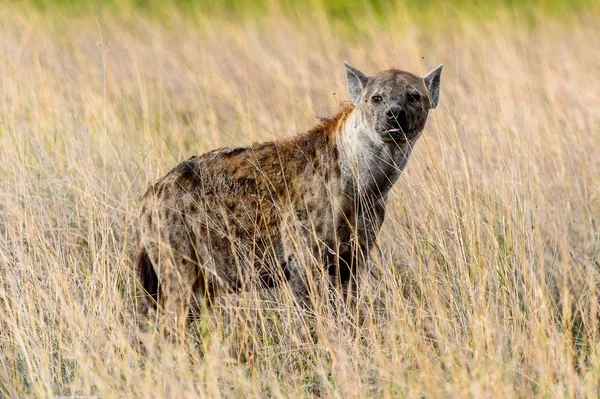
397	118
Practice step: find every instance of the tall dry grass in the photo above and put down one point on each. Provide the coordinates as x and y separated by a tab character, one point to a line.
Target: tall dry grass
487	280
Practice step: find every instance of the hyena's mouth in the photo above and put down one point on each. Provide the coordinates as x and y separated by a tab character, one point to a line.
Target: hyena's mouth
399	134
395	131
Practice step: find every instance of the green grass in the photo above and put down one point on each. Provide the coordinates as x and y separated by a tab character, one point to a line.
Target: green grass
345	11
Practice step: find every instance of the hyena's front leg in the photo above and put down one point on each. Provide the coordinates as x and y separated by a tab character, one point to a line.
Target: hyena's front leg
353	255
370	217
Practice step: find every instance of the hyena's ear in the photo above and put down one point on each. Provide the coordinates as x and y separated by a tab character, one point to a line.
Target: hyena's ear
432	81
356	82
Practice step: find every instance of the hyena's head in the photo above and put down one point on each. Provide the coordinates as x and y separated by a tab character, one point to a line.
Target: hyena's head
394	104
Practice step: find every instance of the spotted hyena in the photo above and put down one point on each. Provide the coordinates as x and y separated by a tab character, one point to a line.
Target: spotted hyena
277	212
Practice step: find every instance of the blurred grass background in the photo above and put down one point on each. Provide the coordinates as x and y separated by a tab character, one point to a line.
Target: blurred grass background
345	11
489	276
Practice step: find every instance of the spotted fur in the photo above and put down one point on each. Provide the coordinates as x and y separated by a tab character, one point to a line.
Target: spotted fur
266	214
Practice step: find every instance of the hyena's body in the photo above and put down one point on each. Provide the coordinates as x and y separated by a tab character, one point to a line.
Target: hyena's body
259	215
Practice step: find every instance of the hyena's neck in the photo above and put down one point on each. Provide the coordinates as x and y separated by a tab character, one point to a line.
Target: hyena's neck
369	166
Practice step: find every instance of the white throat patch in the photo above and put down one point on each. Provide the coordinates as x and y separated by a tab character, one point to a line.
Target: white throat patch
371	165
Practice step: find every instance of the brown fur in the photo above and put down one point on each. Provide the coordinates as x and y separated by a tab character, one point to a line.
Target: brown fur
266	214
239	200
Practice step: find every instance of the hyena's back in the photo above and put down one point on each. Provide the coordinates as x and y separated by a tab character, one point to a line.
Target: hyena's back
221	220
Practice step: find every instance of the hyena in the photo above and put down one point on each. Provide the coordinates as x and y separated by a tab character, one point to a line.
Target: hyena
271	213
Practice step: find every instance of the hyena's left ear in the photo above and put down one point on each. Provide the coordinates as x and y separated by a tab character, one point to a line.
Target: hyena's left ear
432	81
356	82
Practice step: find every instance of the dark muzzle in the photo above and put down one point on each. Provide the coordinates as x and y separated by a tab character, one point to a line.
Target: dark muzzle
397	118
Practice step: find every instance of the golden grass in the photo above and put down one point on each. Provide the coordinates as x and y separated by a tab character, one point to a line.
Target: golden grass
488	275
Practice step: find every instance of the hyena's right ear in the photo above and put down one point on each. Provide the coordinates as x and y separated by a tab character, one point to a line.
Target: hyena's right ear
356	82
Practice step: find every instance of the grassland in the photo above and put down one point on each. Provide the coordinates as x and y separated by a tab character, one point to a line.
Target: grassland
487	284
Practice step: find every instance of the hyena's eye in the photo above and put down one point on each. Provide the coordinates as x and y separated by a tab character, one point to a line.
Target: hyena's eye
377	98
414	96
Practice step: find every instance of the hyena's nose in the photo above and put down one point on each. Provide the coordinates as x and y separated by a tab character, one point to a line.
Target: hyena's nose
395	113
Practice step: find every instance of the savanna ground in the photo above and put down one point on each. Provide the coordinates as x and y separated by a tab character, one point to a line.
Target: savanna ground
487	283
